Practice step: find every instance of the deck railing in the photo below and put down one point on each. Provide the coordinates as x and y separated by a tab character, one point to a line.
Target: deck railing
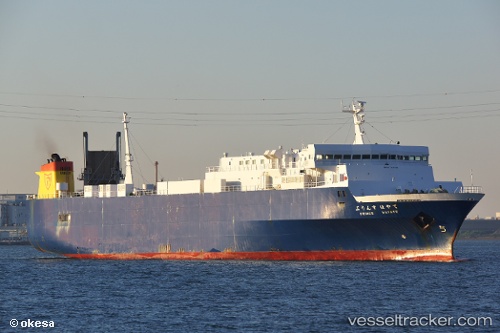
470	189
140	192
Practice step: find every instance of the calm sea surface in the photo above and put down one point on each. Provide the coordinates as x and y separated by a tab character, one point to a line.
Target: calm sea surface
215	296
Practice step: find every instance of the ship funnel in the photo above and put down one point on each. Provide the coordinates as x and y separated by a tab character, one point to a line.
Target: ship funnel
56	178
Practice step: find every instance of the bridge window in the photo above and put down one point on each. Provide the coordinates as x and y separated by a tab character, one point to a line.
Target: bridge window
337	157
366	157
383	156
375	157
347	157
356	157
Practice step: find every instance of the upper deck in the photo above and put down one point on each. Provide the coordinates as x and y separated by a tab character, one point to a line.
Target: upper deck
375	167
365	169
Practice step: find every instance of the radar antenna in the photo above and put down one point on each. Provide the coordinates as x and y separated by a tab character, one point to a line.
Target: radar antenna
357	108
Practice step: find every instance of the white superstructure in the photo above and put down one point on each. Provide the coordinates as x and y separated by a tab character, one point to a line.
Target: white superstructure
367	169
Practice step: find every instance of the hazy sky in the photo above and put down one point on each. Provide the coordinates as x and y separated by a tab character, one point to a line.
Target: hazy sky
200	78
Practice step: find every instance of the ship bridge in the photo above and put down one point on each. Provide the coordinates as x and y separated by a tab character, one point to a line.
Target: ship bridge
379	168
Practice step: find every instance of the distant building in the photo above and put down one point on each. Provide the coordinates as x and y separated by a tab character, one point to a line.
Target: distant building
13	209
14	215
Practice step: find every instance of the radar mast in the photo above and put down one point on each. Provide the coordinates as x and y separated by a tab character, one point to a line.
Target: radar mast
358	113
128	156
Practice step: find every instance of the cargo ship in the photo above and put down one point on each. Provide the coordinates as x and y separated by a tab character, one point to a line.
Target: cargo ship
354	201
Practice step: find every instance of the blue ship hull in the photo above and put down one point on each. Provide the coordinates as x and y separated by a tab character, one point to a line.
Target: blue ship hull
304	224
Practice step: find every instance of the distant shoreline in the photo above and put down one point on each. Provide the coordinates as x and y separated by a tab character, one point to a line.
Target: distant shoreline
480	229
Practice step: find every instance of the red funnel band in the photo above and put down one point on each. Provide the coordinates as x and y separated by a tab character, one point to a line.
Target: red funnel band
57	166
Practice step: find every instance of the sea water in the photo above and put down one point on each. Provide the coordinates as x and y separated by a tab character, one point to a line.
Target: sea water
66	295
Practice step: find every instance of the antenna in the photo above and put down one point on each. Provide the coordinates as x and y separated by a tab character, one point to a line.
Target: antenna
156	173
358	113
128	156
